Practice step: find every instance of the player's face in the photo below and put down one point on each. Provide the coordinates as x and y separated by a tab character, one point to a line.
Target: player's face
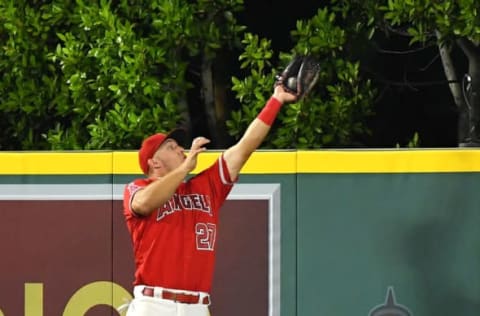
170	155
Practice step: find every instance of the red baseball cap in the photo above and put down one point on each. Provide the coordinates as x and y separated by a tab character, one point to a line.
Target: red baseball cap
153	142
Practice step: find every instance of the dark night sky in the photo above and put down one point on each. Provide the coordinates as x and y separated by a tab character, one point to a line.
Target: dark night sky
402	110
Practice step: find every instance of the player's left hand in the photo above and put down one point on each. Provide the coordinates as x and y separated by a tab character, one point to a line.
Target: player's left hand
198	145
299	76
284	96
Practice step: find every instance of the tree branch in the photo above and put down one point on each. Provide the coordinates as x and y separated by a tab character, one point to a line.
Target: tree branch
403	52
450	72
472	92
456	90
469	49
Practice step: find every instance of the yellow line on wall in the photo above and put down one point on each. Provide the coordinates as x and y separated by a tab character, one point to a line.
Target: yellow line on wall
388	161
261	162
54	163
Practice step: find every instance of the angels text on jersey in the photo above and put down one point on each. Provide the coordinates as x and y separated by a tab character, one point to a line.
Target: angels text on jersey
185	202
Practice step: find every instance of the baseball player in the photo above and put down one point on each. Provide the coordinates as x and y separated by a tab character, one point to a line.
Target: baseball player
173	222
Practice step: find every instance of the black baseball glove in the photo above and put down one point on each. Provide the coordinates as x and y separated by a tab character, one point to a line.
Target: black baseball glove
299	76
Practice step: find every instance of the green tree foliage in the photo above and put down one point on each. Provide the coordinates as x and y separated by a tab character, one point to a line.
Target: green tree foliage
31	87
334	113
102	74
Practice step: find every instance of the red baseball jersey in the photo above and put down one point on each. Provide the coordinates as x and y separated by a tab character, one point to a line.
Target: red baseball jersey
174	246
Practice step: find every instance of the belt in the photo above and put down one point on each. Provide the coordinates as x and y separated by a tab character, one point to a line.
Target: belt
177	297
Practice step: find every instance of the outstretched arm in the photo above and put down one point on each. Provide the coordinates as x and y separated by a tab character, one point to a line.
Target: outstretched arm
237	155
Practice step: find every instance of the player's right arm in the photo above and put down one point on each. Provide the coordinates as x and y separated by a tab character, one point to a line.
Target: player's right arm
158	192
237	155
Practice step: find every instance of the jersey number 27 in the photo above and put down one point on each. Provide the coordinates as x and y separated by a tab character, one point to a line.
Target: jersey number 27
205	236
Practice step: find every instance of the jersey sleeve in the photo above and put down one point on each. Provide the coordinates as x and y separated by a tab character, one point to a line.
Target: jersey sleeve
214	181
128	193
224	173
223	184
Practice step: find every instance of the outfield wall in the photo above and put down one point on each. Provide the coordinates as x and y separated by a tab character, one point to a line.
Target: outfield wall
303	233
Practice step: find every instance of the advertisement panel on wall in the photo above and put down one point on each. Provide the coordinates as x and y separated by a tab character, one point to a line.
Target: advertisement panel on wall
69	251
